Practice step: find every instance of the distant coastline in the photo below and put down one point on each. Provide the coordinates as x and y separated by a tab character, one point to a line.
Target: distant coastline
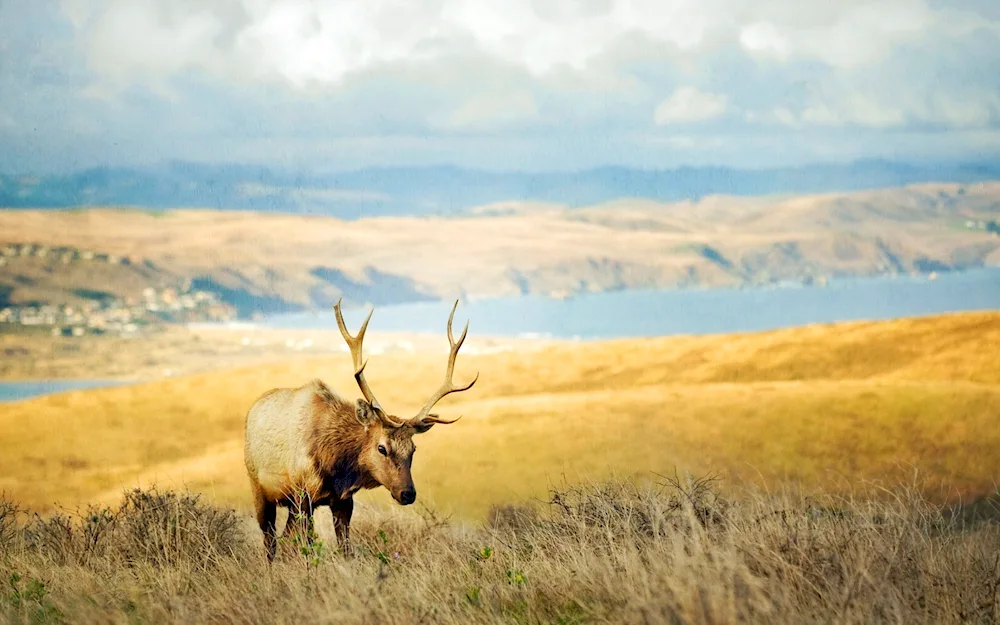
17	390
636	313
504	322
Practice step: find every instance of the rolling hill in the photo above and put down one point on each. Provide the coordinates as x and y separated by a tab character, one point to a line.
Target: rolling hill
280	262
819	407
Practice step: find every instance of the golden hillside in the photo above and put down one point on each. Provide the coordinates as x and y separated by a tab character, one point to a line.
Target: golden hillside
510	248
822	406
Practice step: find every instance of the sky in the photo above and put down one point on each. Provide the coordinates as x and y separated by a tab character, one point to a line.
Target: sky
532	85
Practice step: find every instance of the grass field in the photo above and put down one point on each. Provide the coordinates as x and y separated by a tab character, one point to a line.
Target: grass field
820	407
840	450
608	552
175	350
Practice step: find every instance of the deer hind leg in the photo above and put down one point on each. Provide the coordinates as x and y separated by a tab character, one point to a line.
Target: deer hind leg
342	510
267	514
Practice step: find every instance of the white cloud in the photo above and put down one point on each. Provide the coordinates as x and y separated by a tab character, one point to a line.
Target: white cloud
328	45
305	41
688	104
784	116
845	34
763	38
331	45
959	112
857	109
500	109
854	109
588	79
686	143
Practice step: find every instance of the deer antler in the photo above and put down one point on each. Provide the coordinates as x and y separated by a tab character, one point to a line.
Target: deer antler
448	386
354	343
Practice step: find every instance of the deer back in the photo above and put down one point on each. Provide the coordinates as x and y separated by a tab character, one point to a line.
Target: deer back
280	431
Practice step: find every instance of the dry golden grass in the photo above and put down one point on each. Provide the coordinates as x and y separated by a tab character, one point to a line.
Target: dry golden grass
610	552
820	406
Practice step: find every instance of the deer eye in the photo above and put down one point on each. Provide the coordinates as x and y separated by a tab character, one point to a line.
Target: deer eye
381	450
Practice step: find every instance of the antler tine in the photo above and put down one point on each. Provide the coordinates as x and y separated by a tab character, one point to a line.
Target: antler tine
448	386
355	345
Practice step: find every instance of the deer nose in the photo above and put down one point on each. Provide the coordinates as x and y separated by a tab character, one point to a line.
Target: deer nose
408	496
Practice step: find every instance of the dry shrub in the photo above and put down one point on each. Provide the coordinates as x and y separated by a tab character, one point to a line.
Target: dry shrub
8	522
164	528
511	517
631	510
148	528
981	510
613	552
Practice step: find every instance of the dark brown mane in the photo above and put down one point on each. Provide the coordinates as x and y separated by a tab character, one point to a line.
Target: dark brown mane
336	441
326	395
307	446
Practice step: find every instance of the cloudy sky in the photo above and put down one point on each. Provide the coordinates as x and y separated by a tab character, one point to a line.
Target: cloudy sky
518	84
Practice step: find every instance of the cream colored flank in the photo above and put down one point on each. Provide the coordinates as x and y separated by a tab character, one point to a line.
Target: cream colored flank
307	447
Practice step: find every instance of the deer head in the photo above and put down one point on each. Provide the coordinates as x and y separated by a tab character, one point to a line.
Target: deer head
388	449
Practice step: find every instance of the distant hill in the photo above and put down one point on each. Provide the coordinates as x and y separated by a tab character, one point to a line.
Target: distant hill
446	189
261	262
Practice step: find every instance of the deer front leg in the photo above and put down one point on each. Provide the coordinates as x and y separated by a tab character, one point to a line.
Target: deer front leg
342	509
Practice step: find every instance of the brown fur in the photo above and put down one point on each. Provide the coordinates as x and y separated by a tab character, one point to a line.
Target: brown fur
344	455
308	446
336	443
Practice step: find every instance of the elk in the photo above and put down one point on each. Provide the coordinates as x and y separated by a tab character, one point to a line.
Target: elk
307	447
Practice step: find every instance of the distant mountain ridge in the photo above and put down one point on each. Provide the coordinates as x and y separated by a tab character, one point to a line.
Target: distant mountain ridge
429	190
260	262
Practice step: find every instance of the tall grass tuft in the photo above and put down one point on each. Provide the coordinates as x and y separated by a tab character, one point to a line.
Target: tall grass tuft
148	528
607	552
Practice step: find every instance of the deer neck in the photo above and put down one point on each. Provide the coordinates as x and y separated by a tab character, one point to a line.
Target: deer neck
337	443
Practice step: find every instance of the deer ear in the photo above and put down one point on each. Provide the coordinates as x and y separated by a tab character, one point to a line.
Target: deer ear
423	427
366	414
